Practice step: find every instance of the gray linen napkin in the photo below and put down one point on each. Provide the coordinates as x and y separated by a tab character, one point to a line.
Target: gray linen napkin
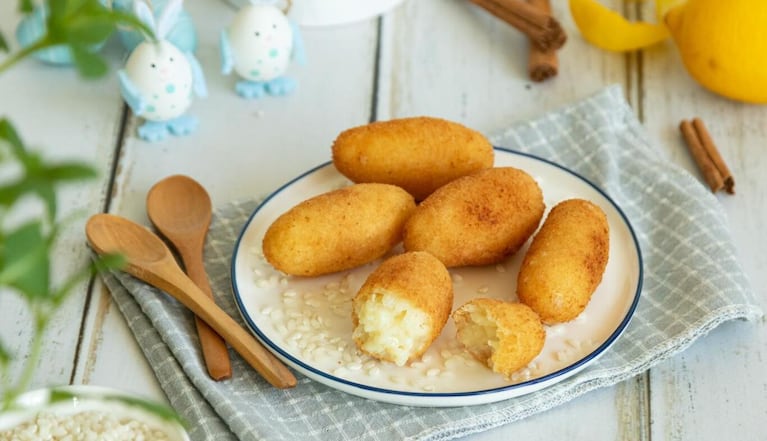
686	248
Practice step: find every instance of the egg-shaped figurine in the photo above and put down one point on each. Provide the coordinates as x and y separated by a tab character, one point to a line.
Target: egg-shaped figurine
259	45
159	80
262	38
163	76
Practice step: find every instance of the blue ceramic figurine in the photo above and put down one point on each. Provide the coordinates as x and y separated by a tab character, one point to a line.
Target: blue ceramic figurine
259	45
159	79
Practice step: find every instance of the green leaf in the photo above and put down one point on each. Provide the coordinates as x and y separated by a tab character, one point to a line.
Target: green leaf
74	7
9	194
160	410
70	171
59	395
25	257
45	190
89	31
26	6
38	177
62	9
82	25
56	9
108	262
5	355
100	264
31	184
8	134
42	188
89	65
60	15
32	162
3	44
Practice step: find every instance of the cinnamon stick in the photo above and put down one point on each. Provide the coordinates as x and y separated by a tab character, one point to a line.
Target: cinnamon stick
706	155
713	153
543	30
542	64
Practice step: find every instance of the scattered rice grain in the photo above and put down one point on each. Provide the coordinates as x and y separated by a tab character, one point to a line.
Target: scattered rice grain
575	344
86	425
289	293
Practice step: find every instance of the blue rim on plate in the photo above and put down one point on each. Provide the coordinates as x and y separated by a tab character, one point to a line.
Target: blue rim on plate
437	398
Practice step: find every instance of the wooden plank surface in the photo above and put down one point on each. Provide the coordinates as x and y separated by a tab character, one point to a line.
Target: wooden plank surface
65	118
716	389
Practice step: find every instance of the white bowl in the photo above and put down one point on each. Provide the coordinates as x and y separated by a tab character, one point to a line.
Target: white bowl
62	403
332	12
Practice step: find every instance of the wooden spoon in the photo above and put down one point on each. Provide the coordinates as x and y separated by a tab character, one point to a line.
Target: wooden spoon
151	261
180	208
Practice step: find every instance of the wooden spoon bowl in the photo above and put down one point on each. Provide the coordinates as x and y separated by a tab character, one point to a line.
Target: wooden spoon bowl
150	260
180	208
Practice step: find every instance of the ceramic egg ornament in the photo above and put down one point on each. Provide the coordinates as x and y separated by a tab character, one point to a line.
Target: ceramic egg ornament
159	80
260	44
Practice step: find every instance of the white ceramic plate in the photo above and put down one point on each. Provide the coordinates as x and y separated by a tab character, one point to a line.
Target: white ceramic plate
306	322
332	12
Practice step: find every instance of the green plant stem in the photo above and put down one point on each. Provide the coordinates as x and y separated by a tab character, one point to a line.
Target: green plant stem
5	377
41	322
23	53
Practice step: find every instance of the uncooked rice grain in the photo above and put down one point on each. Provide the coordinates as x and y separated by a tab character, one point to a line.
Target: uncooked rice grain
88	425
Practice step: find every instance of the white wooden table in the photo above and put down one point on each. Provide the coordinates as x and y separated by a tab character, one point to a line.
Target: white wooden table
427	57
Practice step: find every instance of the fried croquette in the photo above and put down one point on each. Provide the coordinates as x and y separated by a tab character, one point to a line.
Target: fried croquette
478	219
402	307
565	262
504	336
419	154
338	230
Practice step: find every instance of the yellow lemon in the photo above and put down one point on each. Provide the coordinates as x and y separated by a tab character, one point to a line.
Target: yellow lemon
723	45
608	30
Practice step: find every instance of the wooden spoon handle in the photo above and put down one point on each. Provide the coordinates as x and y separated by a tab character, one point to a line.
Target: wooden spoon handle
178	285
214	350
